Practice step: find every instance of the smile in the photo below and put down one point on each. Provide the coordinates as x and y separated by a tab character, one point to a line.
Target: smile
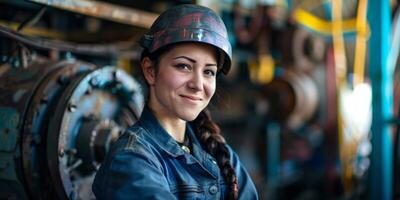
191	98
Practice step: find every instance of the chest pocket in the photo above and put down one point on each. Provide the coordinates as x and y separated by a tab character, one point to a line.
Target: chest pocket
187	192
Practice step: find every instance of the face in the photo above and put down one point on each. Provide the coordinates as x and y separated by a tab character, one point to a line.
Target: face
184	82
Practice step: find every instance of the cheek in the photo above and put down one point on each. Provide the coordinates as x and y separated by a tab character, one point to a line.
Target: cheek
171	82
210	89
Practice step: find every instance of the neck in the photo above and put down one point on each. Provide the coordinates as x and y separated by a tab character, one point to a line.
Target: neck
175	127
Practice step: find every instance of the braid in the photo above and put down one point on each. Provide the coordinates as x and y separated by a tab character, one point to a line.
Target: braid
209	134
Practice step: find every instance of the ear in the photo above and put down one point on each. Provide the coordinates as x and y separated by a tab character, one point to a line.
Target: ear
148	70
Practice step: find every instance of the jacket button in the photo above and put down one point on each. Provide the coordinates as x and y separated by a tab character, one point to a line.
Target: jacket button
213	189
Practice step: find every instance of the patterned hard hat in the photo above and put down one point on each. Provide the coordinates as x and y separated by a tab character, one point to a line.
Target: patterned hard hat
189	23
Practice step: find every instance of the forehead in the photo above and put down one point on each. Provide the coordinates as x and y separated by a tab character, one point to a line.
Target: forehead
194	51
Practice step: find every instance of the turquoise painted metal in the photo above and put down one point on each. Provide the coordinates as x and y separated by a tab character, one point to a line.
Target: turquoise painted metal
273	131
381	175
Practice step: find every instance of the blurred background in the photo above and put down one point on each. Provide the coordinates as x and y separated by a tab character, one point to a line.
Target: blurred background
311	104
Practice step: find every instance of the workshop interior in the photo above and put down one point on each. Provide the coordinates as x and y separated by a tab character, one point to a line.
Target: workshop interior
311	104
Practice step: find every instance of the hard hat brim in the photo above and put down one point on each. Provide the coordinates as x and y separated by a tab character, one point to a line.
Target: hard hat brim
177	35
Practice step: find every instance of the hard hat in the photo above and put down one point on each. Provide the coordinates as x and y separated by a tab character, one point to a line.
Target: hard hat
189	23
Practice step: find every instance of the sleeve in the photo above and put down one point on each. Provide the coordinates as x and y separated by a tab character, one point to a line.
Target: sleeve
247	189
131	175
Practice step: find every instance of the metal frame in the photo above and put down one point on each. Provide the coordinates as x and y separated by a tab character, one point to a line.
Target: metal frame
382	104
104	10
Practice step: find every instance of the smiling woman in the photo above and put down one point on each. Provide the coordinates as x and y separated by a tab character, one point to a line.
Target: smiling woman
175	150
184	83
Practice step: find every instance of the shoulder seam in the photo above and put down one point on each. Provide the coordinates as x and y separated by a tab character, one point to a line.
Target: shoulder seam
136	134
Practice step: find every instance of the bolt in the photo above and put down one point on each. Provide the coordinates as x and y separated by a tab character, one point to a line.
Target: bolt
89	91
72	107
94	82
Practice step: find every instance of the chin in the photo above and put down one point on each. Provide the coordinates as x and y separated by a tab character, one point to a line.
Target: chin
189	116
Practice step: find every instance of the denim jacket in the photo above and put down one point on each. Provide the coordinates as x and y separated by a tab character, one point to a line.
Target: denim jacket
147	163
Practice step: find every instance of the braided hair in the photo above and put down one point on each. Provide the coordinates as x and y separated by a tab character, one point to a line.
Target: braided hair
209	134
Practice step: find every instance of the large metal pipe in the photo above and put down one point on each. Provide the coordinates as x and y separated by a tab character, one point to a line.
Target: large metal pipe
104	10
292	98
382	93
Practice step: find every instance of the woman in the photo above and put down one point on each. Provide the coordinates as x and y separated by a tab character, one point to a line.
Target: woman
175	150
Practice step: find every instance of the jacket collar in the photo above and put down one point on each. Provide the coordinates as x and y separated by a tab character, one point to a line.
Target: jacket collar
160	136
165	141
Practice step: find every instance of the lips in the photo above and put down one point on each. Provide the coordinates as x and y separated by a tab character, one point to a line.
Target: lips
191	98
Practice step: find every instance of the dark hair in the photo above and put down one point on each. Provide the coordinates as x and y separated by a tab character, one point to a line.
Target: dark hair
209	134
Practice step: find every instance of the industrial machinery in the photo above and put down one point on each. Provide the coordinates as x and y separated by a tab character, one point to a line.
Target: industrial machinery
293	98
57	122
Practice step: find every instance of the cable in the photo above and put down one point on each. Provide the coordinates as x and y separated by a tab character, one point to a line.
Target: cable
123	49
33	20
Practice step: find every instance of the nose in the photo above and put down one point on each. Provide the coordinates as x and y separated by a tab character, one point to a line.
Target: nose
196	82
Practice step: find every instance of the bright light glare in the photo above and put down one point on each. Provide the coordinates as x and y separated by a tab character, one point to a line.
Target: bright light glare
356	110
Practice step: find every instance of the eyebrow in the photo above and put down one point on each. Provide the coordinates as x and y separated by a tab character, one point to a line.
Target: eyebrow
192	60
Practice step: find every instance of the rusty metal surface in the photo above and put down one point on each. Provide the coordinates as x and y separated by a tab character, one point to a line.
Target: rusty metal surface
36	121
16	89
60	119
97	98
104	10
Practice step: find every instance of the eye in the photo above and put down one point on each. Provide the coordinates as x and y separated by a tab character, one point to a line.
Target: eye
182	66
209	72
